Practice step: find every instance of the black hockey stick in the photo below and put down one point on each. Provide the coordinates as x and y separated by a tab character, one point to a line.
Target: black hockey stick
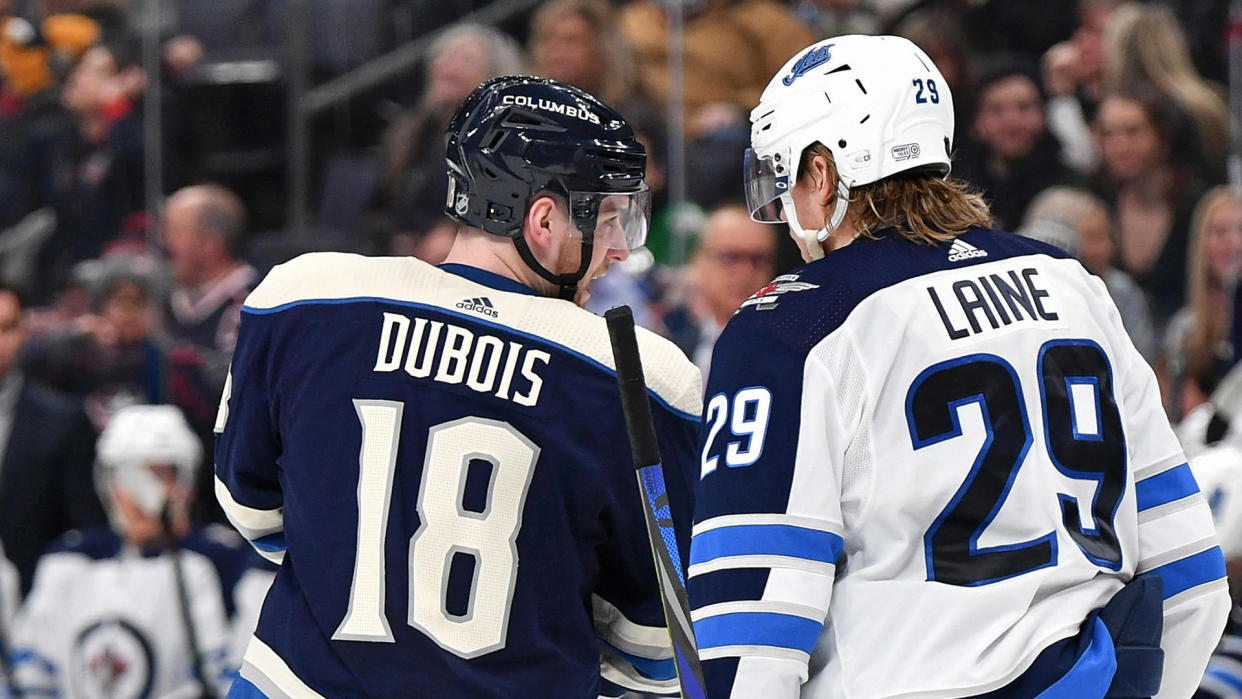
173	548
646	451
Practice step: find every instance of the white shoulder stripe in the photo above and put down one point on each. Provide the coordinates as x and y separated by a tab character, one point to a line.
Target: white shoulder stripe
1176	554
767	518
770	606
252	523
1217	585
754	652
1155	469
735	562
329	277
612	626
629	678
267	671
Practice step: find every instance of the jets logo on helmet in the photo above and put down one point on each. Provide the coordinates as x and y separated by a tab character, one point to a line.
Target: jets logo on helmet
813	58
865	98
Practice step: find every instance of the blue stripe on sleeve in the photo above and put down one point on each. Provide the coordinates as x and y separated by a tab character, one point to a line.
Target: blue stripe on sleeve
765	540
1185	573
758	629
1173	484
652	669
242	688
272	543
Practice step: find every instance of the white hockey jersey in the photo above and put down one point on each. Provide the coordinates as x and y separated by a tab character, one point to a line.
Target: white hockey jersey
923	465
104	620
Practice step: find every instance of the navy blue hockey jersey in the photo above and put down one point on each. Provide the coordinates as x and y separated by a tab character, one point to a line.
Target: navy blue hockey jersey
923	465
439	460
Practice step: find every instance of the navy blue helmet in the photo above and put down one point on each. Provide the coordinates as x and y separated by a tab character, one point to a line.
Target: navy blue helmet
518	137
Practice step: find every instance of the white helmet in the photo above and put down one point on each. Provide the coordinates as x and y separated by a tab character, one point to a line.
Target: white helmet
877	102
137	437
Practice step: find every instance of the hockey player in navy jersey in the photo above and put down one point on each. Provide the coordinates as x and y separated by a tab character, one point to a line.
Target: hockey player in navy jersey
150	607
933	463
437	456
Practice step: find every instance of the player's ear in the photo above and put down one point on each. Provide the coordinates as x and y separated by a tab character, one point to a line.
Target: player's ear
539	221
824	179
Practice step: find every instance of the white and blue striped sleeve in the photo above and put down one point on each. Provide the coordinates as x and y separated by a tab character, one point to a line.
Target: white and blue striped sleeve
768	530
1176	538
248	443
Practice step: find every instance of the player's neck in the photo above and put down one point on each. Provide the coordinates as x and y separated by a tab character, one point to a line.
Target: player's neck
493	254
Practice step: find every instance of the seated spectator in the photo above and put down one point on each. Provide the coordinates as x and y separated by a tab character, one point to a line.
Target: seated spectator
48	447
1011	155
734	259
108	357
576	42
1073	77
938	31
1146	48
414	181
1201	328
1078	222
92	173
148	606
731	51
1151	192
30	107
203	227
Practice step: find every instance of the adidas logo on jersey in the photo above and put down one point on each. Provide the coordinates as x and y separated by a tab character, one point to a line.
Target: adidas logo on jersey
480	304
962	250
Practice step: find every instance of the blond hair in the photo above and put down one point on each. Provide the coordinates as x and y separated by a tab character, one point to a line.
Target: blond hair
924	207
1209	326
1147	46
616	70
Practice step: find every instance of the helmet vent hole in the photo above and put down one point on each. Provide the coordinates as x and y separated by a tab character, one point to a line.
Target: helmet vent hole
491	174
497	138
515	195
838	69
766	127
947	148
841	143
860	85
864	119
521	118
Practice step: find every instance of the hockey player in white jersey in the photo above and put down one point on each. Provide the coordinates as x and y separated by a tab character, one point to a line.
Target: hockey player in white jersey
932	462
147	608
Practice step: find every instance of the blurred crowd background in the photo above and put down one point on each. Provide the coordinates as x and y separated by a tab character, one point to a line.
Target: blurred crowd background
158	156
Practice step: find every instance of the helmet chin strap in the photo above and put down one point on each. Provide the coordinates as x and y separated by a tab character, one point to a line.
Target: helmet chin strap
815	238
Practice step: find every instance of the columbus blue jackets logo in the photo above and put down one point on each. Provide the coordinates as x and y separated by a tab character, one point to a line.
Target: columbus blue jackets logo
111	659
766	298
817	56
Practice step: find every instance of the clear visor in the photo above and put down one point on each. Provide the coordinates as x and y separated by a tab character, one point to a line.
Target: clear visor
767	178
621	220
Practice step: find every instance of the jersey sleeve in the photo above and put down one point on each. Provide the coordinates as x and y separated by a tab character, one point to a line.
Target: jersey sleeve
768	523
39	628
636	653
248	442
1176	538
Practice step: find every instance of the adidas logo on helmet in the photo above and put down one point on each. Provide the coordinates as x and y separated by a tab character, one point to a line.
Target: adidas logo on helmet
962	250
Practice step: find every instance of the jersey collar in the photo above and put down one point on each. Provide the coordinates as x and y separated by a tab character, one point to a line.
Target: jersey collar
486	278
